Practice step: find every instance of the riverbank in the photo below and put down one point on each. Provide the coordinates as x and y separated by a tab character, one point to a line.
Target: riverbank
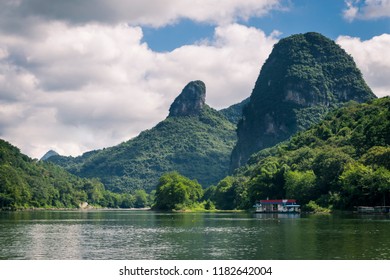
206	211
69	209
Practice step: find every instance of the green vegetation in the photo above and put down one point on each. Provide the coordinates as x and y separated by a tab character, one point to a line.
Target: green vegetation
234	113
26	183
196	146
176	192
340	163
305	77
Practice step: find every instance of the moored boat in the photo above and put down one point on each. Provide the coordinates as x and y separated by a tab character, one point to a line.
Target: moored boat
373	209
277	206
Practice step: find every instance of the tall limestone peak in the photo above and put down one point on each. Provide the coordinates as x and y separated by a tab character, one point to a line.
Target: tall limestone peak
197	146
305	76
191	100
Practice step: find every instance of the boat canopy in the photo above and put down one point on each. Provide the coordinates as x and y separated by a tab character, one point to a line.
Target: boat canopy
279	201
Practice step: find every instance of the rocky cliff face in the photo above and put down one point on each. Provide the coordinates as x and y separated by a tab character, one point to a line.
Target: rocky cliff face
191	100
305	76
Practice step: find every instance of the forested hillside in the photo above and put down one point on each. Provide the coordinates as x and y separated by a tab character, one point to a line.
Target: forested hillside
305	77
27	183
194	140
340	163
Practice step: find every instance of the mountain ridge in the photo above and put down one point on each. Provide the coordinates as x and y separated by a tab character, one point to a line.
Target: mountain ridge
194	140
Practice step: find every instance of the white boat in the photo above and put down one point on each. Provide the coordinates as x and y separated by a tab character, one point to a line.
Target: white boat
277	206
373	209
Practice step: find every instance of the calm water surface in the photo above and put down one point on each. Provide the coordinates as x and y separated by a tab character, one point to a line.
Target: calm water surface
125	234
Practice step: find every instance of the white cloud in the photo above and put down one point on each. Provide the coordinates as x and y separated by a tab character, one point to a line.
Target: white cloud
366	9
78	77
351	12
373	59
137	12
76	88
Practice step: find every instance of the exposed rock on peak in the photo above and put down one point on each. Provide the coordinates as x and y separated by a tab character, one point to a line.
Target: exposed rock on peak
305	76
191	100
197	147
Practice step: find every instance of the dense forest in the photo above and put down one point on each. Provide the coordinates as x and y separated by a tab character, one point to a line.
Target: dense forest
305	77
340	163
27	183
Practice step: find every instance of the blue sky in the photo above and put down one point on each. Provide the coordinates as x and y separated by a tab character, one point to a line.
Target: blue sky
82	75
299	16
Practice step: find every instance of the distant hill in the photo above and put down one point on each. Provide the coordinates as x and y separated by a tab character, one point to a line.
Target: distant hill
342	162
305	77
234	113
194	140
49	154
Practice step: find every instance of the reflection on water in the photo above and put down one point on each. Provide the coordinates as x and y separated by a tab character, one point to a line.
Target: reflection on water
123	234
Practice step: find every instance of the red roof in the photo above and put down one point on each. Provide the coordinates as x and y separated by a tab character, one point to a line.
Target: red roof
278	201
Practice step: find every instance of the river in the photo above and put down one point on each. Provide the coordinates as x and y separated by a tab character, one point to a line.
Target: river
137	235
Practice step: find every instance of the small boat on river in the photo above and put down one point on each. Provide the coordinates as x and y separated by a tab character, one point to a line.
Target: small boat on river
373	209
277	206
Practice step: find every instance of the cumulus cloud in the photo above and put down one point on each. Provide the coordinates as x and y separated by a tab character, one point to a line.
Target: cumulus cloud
76	77
79	77
76	88
366	9
351	12
136	12
372	58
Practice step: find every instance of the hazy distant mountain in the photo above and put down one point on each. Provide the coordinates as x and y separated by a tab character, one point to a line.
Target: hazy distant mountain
234	113
49	154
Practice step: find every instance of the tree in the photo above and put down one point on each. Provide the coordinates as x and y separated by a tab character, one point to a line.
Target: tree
13	188
301	186
128	201
378	156
224	194
268	181
328	166
175	191
209	205
94	189
141	199
381	185
356	181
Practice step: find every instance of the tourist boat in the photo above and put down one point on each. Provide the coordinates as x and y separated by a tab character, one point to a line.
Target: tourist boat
365	209
373	209
277	206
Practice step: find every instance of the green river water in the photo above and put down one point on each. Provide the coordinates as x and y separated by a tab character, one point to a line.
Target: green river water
135	235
